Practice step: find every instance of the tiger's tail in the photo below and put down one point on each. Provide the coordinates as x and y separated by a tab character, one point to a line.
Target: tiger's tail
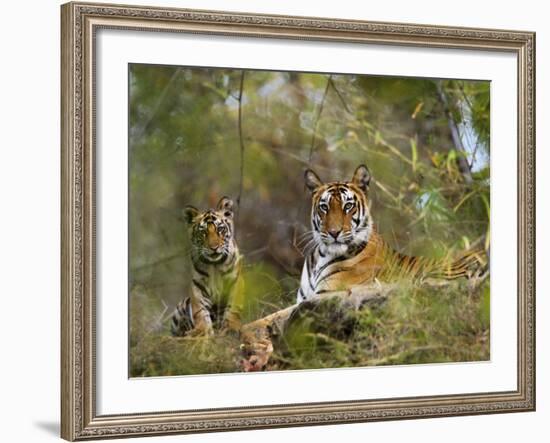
470	265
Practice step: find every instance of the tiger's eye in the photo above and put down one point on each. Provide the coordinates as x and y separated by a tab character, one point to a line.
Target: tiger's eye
323	207
348	206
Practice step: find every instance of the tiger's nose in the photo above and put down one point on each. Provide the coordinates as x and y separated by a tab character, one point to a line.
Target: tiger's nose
334	233
215	246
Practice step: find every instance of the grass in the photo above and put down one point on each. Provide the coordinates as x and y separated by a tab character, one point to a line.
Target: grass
415	325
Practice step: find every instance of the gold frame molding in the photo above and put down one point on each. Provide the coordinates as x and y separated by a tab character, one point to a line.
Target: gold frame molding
79	22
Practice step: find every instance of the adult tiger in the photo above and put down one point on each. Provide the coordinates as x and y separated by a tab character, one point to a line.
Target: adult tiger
349	252
215	297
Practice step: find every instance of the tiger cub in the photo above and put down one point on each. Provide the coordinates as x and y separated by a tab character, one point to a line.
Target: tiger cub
349	252
215	296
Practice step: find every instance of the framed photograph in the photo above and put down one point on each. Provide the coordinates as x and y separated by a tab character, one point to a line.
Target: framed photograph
282	221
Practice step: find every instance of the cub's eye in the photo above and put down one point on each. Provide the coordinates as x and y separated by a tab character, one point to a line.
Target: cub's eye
348	206
323	207
222	230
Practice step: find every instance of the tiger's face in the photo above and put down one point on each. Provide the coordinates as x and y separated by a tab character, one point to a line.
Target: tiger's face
340	216
211	231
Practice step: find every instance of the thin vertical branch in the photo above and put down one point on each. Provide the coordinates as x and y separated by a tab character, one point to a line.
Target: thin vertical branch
319	112
311	149
344	104
241	142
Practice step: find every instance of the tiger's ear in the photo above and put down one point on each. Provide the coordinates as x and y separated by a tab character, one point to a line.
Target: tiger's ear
189	213
312	180
226	204
361	177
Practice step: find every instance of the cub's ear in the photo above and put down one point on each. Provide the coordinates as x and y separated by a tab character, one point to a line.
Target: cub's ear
362	177
312	180
189	213
226	204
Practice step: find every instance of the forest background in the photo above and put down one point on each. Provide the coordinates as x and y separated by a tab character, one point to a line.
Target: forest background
197	134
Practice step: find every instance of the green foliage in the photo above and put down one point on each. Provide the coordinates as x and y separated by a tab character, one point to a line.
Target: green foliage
162	355
428	325
184	148
414	326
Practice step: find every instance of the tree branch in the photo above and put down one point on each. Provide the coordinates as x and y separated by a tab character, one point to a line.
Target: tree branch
463	165
344	104
319	112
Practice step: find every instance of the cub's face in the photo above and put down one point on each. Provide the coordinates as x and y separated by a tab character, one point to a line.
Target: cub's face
340	214
211	231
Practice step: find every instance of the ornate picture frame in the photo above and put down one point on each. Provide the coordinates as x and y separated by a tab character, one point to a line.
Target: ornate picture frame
80	23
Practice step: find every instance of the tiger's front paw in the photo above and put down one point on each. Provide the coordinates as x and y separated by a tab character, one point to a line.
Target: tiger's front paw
200	332
231	332
231	324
